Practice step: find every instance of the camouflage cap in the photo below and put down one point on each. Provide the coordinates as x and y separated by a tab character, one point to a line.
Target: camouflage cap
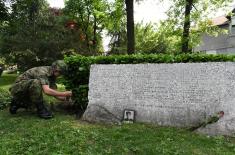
60	66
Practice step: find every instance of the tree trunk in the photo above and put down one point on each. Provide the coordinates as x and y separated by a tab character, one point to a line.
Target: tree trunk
185	38
130	26
94	41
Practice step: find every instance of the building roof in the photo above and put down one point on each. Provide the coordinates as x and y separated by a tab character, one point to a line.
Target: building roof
221	20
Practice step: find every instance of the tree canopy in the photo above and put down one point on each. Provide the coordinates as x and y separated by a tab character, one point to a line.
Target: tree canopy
186	13
32	33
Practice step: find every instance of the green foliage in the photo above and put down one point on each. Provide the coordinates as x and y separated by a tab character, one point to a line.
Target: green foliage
37	35
91	17
116	27
2	65
5	98
199	18
150	38
20	134
2	61
5	81
3	11
80	96
24	59
31	36
79	67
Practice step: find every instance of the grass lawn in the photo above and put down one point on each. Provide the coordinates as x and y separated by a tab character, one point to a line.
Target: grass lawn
24	133
6	80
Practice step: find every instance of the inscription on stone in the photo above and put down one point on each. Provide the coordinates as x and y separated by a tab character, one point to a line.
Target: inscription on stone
165	94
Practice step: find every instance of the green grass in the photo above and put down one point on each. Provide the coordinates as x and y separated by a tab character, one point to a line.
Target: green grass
24	133
6	80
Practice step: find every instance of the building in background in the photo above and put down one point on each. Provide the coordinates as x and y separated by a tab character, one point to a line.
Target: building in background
223	43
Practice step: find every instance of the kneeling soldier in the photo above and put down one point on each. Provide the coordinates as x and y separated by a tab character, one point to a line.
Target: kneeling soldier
29	87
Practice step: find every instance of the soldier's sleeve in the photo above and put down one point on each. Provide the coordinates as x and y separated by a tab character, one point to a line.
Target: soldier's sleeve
44	80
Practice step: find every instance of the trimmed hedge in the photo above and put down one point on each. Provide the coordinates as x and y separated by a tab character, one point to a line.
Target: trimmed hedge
79	68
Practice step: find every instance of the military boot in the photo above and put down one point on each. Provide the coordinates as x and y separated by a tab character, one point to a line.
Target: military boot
15	105
42	111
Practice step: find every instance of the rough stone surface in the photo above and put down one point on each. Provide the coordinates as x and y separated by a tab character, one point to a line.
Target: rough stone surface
182	94
99	114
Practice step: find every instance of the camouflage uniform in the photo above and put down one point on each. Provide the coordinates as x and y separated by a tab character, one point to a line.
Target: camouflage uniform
28	86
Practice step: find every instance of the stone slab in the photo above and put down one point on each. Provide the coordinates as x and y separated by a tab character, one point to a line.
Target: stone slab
180	94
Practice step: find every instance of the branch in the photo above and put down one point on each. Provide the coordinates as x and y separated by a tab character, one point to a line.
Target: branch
195	7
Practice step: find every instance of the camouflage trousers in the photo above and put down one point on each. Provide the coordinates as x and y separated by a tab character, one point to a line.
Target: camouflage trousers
27	92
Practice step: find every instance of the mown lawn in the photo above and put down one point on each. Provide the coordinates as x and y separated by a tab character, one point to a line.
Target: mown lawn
6	80
24	133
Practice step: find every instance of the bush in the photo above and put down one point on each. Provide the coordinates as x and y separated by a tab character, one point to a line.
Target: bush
5	98
79	68
81	97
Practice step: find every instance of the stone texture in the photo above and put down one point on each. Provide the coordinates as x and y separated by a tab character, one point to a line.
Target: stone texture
181	94
99	114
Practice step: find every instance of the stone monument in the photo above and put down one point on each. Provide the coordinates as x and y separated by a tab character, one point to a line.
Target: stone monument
179	94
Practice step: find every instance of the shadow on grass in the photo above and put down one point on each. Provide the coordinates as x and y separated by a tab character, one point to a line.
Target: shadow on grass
30	114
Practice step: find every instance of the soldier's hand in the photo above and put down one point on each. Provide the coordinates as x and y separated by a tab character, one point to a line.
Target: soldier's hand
68	93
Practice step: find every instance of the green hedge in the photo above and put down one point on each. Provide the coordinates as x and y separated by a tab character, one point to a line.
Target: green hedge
79	67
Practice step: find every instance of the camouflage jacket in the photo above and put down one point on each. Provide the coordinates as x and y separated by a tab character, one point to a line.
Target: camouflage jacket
43	74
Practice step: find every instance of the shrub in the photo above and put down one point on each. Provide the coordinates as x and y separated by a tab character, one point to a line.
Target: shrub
79	68
5	98
81	97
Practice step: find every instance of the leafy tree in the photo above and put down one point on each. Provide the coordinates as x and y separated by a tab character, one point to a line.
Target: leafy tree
91	18
37	35
34	35
116	27
123	27
3	11
195	12
4	17
150	39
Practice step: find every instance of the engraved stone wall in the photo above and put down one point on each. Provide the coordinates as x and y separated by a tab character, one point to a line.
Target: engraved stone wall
182	94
